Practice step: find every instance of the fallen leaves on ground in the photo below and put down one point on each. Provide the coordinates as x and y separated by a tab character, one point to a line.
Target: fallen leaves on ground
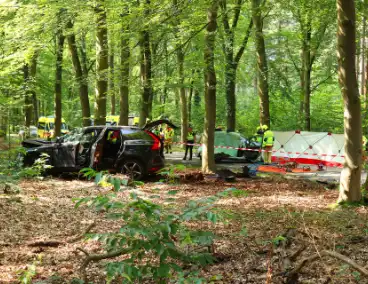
246	246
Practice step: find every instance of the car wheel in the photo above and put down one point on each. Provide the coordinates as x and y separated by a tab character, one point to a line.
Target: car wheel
134	169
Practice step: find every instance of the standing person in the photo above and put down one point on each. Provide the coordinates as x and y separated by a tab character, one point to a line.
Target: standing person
259	134
169	134
189	143
162	139
267	144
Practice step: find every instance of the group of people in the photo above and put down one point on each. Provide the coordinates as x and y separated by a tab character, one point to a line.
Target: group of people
265	137
167	135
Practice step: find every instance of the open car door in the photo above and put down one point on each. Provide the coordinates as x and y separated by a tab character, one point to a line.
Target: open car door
155	123
64	155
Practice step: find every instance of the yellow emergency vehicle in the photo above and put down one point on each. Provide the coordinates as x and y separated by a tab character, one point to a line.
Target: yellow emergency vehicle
46	126
114	120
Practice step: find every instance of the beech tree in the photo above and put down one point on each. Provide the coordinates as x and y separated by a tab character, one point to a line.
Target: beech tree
30	97
124	71
146	67
81	75
60	38
180	59
351	174
231	58
102	63
208	156
262	69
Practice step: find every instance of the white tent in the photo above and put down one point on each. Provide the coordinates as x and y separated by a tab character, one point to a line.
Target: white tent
318	148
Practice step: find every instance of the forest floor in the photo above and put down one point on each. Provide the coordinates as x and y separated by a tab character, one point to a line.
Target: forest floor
44	210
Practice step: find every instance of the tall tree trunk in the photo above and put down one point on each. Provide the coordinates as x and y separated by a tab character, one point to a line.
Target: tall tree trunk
190	98
363	54
33	70
146	75
306	73
351	174
262	69
124	79
164	95
208	156
102	64
81	77
365	93
357	54
180	59
27	96
183	98
60	38
111	81
230	79
231	61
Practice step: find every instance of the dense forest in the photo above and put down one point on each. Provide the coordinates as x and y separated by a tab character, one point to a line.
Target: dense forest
274	60
235	64
202	65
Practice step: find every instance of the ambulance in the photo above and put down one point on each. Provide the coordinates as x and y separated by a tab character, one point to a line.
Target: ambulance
46	127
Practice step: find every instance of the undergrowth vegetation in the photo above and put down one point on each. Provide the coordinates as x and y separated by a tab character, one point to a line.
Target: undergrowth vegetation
155	241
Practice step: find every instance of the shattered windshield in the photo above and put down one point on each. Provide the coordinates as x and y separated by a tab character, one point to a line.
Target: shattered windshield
73	136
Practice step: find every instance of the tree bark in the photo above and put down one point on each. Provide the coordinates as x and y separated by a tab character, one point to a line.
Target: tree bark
262	69
180	59
231	61
363	53
80	76
146	71
208	156
164	95
111	80
183	98
230	82
33	70
102	64
351	174
124	79
190	98
306	73
27	96
60	38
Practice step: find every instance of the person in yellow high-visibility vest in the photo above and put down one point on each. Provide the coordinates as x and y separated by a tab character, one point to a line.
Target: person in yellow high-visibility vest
267	144
189	143
113	136
259	134
169	135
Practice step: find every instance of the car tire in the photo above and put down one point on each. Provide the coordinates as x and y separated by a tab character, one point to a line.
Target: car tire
134	169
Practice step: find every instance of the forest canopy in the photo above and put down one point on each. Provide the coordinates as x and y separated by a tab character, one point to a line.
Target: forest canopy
155	49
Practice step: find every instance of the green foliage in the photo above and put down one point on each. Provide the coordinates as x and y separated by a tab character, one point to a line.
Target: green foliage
37	169
26	275
170	172
283	34
158	240
11	166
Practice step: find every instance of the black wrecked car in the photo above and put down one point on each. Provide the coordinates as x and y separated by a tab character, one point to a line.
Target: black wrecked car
123	149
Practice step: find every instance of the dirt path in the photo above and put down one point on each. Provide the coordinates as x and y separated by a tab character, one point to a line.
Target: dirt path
44	210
